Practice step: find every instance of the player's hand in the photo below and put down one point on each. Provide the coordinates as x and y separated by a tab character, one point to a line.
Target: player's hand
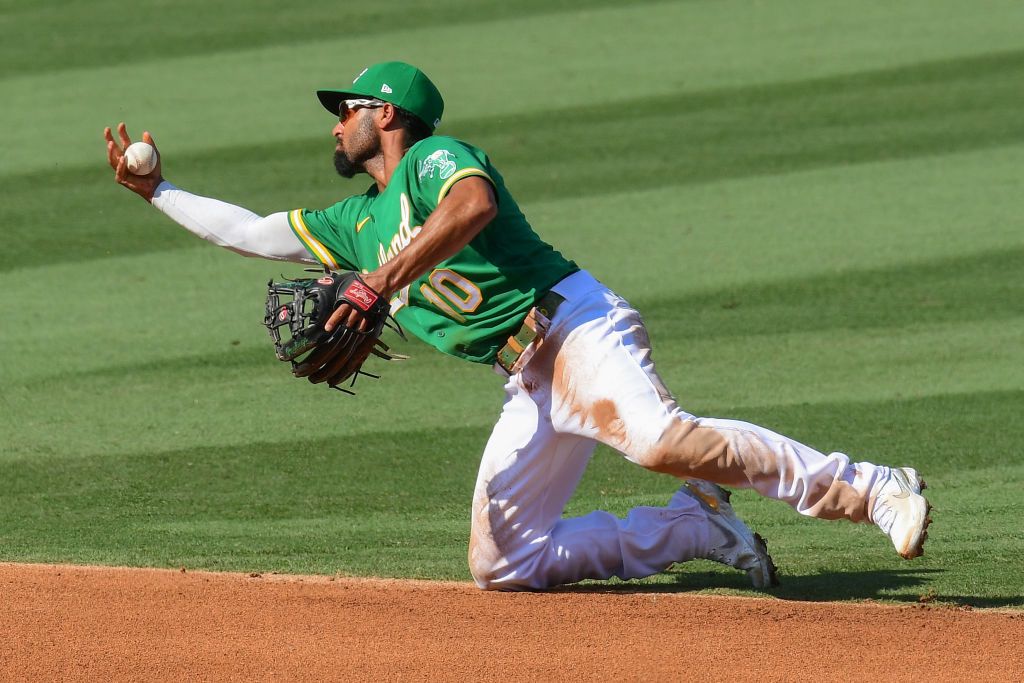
347	316
352	317
142	185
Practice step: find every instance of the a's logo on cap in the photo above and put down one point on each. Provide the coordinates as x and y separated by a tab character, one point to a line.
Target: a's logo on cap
326	280
385	88
360	74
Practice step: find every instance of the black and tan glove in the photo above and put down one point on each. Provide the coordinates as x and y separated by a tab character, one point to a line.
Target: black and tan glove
301	307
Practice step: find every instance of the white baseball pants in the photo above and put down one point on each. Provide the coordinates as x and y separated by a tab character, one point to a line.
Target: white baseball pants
591	379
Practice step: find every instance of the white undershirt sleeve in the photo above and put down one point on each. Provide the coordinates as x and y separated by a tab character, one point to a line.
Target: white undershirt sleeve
232	227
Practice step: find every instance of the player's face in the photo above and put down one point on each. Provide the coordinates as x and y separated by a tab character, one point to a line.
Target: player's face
358	141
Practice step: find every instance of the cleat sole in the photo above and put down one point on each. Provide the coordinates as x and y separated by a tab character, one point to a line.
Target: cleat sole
916	548
770	568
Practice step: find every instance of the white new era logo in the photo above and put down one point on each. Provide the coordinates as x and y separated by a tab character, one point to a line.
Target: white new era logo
385	88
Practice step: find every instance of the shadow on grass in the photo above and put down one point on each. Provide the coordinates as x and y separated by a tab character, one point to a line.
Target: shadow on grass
896	585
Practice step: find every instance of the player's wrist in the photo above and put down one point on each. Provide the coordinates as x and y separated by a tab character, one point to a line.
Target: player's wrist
379	282
157	182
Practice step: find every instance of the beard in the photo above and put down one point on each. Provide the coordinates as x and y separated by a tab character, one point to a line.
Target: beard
345	167
365	145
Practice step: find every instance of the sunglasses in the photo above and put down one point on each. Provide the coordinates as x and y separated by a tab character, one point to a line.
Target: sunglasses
347	107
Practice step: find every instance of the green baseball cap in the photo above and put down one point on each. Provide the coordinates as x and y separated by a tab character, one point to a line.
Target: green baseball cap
401	84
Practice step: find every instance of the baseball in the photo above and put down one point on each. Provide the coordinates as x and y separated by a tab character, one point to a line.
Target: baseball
141	158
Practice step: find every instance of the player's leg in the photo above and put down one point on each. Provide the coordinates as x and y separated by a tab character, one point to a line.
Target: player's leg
519	539
597	359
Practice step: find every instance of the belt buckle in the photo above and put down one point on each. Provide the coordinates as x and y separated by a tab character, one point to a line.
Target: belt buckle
521	346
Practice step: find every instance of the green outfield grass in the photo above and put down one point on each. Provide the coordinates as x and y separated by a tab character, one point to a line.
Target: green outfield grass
818	208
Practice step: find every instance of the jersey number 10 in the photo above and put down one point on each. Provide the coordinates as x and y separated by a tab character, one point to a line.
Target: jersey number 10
448	291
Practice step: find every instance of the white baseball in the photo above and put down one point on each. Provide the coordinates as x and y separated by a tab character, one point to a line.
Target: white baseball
141	158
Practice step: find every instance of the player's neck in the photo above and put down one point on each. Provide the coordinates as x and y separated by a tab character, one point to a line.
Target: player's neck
382	166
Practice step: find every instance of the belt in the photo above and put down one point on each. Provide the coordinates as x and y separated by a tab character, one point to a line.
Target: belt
534	325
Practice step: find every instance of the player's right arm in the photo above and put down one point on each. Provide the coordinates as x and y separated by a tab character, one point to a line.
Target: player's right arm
224	224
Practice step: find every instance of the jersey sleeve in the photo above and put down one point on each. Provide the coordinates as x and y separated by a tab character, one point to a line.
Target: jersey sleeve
440	162
327	233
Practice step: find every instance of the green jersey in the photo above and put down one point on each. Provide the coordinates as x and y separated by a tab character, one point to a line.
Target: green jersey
467	305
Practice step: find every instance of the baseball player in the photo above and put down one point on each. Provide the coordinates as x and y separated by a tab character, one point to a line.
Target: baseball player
439	235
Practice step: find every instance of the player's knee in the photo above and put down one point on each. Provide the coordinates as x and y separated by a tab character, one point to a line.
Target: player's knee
650	459
487	563
650	443
656	458
505	571
506	579
684	449
484	573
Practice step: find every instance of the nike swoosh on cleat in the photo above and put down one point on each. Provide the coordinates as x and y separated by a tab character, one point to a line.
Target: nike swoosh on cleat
905	487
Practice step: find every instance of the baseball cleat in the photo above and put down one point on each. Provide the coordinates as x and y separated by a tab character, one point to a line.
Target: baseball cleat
732	543
901	511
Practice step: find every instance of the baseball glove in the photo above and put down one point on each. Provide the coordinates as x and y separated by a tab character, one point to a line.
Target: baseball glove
301	307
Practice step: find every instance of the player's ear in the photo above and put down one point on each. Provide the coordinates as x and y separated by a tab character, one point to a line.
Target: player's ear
387	119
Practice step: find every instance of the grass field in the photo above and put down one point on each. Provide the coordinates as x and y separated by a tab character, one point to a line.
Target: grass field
818	207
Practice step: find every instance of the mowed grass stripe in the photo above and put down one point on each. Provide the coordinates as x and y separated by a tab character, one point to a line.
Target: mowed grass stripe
922	110
943	435
69	36
971	288
910	111
974	287
160	409
301	505
313	505
204	101
786	369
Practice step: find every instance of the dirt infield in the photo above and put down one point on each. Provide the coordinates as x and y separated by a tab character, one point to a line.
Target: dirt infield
63	622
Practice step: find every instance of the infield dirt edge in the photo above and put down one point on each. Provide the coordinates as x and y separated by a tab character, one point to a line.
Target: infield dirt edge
110	622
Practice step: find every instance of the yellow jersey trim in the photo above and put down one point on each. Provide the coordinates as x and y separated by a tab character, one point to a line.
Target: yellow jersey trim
305	235
464	173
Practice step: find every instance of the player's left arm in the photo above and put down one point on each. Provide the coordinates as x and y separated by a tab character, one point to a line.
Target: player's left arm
467	208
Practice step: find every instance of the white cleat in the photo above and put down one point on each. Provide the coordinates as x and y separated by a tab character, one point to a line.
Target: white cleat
732	541
899	509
